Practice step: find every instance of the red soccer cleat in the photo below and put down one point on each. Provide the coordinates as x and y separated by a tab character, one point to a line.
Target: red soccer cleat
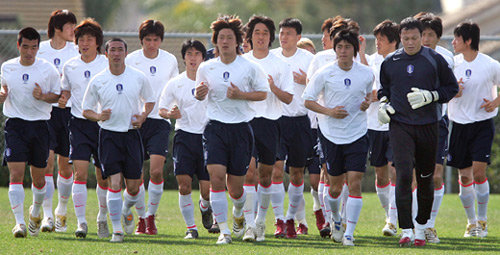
320	219
280	229
290	229
150	225
141	227
419	242
302	229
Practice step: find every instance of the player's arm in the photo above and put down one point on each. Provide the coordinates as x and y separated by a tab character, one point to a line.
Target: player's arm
233	92
362	48
283	96
93	116
4	93
63	99
385	83
337	112
138	119
47	97
448	85
166	100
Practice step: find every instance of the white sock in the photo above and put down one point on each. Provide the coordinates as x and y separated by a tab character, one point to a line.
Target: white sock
264	195
345	196
467	196
140	205
482	196
328	208
277	199
102	215
128	202
393	210
316	201
49	194
238	204
321	197
187	209
420	231
353	209
300	216
80	200
295	195
438	198
155	191
414	206
204	204
16	198
383	193
38	195
248	207
218	201
256	203
334	204
64	186
114	199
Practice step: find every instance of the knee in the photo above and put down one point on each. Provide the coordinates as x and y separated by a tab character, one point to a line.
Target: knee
465	180
39	182
335	191
133	190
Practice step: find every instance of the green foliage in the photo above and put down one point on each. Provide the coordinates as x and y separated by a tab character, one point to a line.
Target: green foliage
100	10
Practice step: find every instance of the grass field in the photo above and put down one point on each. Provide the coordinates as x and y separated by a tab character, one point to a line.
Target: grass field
450	225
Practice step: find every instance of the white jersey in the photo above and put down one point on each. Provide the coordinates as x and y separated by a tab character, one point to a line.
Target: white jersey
76	77
375	62
272	108
20	81
158	71
58	57
481	78
124	94
180	91
448	56
243	73
300	60
341	88
321	59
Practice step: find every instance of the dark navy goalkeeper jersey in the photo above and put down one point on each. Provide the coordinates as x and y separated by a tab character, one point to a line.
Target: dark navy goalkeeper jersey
425	70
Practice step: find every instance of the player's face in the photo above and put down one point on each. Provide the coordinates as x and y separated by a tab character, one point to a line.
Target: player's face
344	51
68	32
151	43
384	47
226	42
429	38
87	45
411	40
289	38
27	51
326	41
193	59
459	46
116	53
261	37
246	46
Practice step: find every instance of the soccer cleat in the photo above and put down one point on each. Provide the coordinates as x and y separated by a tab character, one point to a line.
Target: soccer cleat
320	219
347	241
117	237
249	235
151	226
419	242
325	231
224	239
214	229
431	235
471	230
81	231
419	237
260	232
280	229
102	229
206	217
141	227
482	228
337	233
34	224
191	234
389	229
407	238
19	230
61	223
302	229
290	229
239	226
128	223
48	225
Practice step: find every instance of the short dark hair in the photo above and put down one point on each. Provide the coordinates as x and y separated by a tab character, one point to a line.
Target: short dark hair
90	27
388	29
149	27
28	33
228	21
341	24
469	30
348	35
115	39
268	22
197	45
58	19
410	23
293	23
429	20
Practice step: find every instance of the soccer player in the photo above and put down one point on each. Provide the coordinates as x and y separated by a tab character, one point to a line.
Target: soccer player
414	80
159	67
29	86
387	41
58	50
120	93
84	134
306	44
177	102
346	89
472	112
295	132
229	83
265	127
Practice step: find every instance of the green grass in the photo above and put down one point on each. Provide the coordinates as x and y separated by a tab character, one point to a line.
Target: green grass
450	225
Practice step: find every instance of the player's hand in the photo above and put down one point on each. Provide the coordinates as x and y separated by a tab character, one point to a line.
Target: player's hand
460	88
338	112
300	77
201	91
365	104
174	113
384	110
233	92
271	82
37	92
4	93
488	105
63	100
137	120
374	95
420	97
105	115
362	44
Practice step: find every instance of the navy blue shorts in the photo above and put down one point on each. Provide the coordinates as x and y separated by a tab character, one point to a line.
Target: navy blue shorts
471	142
187	155
155	135
121	152
26	141
59	130
380	149
442	150
341	158
230	145
296	141
266	133
84	140
313	163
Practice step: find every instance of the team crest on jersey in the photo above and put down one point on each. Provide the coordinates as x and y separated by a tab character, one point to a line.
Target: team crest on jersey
86	74
152	70
57	62
26	77
468	73
347	83
410	69
225	75
119	88
192	91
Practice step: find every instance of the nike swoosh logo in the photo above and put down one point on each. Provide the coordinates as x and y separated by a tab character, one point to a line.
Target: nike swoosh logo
15	207
217	214
154	203
396	59
425	176
139	208
264	208
63	197
274	207
113	214
103	206
246	211
293	206
182	206
78	206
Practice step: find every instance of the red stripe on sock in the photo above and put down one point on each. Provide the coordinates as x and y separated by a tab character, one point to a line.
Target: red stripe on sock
237	198
442	185
194	226
333	196
277	182
378	186
101	187
393	184
16	183
265	186
322	182
479	183
413	190
351	196
49	175
468	185
64	176
248	185
217	191
79	182
156	183
114	191
131	194
297	185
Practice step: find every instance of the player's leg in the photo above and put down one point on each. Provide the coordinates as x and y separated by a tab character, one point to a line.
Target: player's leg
186	205
251	195
79	195
16	196
155	191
